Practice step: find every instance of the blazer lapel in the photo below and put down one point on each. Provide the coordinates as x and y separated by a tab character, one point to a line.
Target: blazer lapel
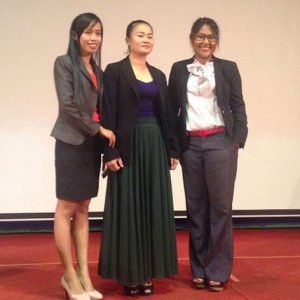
219	79
127	70
99	76
184	79
159	83
83	70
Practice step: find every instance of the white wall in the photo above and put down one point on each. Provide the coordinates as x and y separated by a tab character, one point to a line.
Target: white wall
261	36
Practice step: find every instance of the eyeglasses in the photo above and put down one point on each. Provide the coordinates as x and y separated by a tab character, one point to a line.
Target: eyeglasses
203	37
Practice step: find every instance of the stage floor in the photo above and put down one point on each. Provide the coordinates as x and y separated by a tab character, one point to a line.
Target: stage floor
266	266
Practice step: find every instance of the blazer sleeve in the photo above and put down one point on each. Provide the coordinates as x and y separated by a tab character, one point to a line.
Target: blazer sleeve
63	77
175	94
109	110
174	91
237	106
173	144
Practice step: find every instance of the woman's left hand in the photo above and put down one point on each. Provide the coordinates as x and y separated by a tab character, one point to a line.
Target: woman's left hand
106	133
174	163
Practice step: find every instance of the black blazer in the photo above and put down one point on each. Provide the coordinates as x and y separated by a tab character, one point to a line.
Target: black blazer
120	108
75	118
229	98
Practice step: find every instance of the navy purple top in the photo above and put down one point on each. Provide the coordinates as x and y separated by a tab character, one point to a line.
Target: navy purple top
148	98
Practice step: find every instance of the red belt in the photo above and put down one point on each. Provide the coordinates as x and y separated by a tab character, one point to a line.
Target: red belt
205	132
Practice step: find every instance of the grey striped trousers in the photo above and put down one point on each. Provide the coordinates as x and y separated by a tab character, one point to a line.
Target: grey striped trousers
209	170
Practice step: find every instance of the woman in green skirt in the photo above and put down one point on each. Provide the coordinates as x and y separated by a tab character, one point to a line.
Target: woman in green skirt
138	239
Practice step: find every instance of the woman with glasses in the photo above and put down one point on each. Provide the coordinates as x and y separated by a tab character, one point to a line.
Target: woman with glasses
207	98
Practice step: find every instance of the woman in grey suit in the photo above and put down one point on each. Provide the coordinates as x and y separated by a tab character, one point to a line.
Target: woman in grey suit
79	85
211	122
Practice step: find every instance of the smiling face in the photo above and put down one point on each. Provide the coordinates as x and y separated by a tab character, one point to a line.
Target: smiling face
90	39
140	41
204	43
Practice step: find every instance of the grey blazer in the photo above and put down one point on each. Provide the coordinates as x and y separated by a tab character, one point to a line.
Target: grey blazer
75	118
229	97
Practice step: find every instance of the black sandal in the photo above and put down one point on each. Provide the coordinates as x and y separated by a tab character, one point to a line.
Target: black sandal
146	289
216	286
131	290
199	283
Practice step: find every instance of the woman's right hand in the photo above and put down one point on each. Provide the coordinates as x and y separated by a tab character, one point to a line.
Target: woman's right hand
115	164
106	133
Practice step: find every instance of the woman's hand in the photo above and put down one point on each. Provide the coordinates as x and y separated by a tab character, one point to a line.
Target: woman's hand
115	164
108	134
174	163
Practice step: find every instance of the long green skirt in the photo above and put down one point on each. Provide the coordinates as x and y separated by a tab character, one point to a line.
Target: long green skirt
138	238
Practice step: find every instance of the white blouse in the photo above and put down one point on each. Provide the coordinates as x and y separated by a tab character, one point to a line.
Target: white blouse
202	108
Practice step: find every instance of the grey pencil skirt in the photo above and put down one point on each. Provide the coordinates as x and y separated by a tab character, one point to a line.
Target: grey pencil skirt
77	169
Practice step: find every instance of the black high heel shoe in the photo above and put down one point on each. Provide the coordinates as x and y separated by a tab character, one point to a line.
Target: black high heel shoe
131	290
146	289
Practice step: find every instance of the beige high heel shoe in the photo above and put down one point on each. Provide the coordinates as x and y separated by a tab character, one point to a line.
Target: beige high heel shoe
94	294
69	295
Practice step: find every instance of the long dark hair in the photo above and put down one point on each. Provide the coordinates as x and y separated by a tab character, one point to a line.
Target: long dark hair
79	24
